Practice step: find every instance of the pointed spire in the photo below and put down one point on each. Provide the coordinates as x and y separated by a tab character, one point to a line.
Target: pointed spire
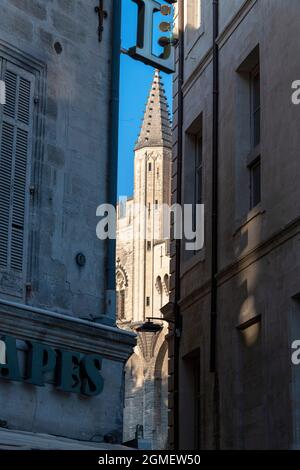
156	126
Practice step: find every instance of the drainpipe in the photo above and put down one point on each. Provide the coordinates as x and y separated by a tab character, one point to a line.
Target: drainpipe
214	223
112	168
177	313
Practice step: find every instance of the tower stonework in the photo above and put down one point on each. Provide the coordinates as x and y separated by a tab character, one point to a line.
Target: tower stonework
142	273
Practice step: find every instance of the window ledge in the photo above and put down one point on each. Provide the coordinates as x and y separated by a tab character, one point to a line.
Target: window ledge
253	155
186	266
198	31
250	322
193	40
255	212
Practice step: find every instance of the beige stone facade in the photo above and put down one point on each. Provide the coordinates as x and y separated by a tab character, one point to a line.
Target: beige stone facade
142	274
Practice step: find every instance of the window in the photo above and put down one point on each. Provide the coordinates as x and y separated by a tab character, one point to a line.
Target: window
149	166
254	164
121	304
255	105
156	203
159	288
147	301
121	285
198	169
248	136
192	372
197	402
16	124
255	183
198	174
193	174
148	246
166	282
122	207
193	13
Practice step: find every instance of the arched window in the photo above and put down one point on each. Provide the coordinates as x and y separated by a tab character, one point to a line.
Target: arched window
166	283
121	304
159	288
121	285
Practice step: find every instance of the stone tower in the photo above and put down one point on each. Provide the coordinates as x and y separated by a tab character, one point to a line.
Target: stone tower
151	190
143	272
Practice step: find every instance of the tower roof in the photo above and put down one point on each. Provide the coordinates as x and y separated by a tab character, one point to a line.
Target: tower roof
156	126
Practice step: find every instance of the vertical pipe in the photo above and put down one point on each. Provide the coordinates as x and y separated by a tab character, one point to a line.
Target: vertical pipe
214	222
178	318
112	173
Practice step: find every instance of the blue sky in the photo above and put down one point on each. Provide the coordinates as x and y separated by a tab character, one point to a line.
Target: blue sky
136	80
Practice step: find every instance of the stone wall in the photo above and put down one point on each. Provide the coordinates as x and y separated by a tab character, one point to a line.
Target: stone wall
258	254
69	171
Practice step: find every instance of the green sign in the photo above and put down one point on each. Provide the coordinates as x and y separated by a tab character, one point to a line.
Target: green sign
146	26
73	372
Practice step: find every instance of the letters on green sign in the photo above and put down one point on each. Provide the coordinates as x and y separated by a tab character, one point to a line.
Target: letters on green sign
10	370
42	359
69	372
73	372
92	382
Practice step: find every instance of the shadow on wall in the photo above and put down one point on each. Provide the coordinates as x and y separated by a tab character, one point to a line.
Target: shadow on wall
146	391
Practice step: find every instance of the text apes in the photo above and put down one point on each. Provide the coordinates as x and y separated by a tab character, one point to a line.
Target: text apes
72	372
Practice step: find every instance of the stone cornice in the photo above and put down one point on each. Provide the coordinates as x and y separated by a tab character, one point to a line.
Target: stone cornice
223	37
204	62
59	331
235	22
277	239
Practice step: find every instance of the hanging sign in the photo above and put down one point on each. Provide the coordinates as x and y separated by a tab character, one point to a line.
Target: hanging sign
146	31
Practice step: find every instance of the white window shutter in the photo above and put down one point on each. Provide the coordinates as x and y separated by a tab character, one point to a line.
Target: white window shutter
15	152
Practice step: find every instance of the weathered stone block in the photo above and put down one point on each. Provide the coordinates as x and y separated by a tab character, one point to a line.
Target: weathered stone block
67	27
55	156
33	8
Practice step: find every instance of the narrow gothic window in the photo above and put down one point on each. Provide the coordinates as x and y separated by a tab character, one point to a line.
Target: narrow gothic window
166	282
121	294
160	290
121	304
122	208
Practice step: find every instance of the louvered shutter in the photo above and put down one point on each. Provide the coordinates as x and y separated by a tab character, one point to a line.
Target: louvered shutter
15	152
